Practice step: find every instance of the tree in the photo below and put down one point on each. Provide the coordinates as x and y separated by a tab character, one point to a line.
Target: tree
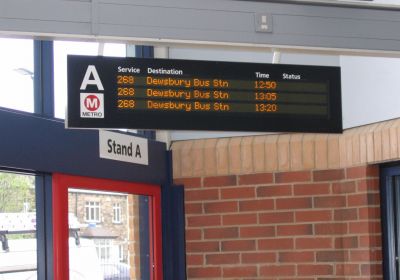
15	190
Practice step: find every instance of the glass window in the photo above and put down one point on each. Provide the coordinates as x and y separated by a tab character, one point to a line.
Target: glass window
92	211
103	249
116	213
18	253
16	74
61	50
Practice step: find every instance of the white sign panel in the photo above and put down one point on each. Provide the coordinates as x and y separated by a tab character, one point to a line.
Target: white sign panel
121	147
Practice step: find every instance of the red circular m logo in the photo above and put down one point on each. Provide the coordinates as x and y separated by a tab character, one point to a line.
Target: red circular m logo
92	103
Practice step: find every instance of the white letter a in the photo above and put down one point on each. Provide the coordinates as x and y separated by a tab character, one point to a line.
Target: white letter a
96	79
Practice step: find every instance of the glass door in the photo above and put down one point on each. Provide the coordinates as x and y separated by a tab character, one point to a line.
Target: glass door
106	230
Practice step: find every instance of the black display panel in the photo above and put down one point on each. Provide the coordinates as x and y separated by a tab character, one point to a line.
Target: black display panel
137	93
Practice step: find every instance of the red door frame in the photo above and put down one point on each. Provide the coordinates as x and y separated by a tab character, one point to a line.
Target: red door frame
62	182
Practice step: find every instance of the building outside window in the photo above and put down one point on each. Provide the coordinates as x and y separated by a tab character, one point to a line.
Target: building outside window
116	213
110	222
92	211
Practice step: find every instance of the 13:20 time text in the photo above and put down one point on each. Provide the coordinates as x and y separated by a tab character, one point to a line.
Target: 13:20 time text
266	108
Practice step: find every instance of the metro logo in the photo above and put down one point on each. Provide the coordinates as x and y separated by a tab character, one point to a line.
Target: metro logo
92	105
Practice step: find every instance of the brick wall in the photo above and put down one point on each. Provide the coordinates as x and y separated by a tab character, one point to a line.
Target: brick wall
316	224
285	206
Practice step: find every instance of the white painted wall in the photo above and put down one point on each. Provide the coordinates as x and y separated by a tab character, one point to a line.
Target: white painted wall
370	89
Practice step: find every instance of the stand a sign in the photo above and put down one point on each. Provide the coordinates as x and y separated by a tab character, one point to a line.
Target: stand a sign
122	147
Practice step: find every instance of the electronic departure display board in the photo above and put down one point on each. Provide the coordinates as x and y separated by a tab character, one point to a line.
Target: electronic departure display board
139	93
